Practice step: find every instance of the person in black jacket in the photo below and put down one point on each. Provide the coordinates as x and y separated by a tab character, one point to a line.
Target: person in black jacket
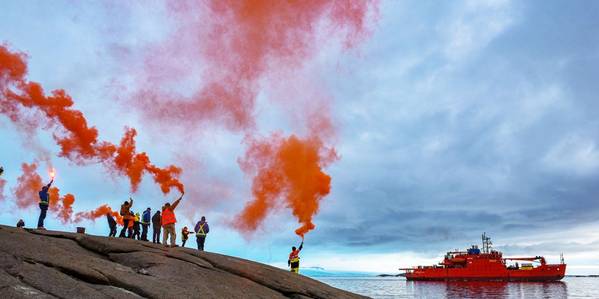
111	224
156	227
136	226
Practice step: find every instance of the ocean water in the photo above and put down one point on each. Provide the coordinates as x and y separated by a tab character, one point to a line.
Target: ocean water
384	287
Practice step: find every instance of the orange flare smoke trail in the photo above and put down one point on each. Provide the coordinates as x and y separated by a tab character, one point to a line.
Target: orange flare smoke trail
78	142
101	211
286	170
236	43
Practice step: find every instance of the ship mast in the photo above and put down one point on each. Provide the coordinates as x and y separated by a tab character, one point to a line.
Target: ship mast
486	243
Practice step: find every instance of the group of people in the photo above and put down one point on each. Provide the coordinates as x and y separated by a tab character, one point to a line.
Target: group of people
163	220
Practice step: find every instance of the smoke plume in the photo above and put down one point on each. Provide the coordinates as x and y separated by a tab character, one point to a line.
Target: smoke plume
289	172
237	45
233	44
101	211
77	140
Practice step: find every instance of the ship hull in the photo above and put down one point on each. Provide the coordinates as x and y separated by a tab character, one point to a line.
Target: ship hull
492	273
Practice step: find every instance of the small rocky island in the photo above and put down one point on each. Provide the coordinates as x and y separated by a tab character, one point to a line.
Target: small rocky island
52	264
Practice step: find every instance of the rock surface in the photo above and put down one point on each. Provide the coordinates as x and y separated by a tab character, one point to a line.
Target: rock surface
50	264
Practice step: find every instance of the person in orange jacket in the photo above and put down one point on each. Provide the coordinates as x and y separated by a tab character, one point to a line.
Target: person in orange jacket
168	222
125	212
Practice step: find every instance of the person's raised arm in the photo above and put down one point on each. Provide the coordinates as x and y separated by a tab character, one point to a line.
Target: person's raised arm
176	203
130	201
50	184
301	246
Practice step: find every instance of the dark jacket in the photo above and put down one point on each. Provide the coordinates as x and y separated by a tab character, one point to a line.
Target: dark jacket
205	227
44	197
157	220
111	221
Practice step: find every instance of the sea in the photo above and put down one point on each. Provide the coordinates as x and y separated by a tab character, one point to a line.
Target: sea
398	287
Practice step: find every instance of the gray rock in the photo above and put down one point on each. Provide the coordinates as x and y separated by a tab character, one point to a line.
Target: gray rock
50	264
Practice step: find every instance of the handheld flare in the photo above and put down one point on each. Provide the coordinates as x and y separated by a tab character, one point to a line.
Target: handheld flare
52	173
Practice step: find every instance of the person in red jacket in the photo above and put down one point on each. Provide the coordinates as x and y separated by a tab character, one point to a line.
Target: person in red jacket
168	222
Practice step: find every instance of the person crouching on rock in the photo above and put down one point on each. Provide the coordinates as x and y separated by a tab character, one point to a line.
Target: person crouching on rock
111	225
136	226
125	212
184	235
156	226
168	222
21	223
44	201
201	230
294	258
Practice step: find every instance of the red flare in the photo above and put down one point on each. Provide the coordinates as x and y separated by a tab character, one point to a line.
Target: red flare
287	171
78	141
101	211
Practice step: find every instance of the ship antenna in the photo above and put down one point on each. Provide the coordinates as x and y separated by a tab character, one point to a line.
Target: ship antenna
486	243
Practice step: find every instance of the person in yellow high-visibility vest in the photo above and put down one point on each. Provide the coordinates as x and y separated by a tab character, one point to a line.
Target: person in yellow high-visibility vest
201	230
294	258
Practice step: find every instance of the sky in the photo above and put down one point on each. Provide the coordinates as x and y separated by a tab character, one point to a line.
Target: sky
450	119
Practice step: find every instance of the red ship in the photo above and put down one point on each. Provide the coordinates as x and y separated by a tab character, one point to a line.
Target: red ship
487	265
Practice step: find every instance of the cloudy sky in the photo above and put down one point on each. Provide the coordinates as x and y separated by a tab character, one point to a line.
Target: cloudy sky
452	119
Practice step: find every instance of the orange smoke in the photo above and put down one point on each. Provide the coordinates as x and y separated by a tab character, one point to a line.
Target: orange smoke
101	211
2	184
233	44
78	141
28	186
27	194
286	171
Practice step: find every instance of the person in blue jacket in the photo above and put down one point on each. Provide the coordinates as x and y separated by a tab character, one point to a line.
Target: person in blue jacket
146	217
44	202
201	230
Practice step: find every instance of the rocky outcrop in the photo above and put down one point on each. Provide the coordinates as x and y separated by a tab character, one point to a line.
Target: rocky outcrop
50	264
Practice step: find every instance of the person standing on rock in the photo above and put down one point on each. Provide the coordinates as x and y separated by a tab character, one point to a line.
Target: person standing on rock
156	226
294	258
111	224
44	201
184	235
130	227
146	217
126	213
201	230
136	226
168	222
